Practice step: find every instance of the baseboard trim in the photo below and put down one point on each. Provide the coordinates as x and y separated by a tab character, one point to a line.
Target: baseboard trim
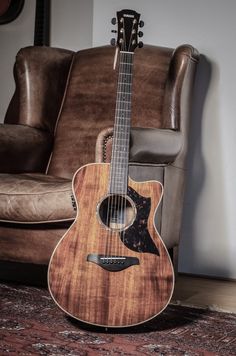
206	293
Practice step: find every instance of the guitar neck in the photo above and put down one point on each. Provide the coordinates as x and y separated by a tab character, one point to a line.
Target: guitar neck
121	136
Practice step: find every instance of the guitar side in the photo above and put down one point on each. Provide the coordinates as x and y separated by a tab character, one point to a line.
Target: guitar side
112	298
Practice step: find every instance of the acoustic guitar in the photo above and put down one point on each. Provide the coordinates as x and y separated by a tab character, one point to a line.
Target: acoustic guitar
111	268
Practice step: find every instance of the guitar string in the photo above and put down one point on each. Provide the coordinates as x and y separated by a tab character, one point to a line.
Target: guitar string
122	128
113	172
118	161
128	58
120	172
124	142
124	106
117	202
123	158
110	199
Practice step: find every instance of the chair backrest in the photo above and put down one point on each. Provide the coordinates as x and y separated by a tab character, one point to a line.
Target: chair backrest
74	95
40	76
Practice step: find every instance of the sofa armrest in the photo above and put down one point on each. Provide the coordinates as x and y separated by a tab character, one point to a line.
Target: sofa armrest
24	149
147	145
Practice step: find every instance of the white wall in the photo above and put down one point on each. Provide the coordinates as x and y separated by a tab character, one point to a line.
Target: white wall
13	36
71	24
208	242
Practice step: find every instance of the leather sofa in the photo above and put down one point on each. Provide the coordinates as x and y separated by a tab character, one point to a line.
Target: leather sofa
62	109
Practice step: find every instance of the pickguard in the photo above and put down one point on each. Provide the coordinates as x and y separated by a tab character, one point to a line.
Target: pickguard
137	237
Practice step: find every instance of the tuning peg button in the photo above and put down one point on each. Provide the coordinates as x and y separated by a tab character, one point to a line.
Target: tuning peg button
141	23
140	34
113	21
113	42
140	44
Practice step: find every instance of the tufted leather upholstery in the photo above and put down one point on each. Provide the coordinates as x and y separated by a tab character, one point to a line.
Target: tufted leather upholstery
62	101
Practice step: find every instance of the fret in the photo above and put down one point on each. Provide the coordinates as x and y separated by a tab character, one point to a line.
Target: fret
122	135
123	101
124	109
120	153
122	156
126	73
118	109
124	83
126	63
121	191
119	147
123	93
120	174
123	118
122	139
123	128
122	162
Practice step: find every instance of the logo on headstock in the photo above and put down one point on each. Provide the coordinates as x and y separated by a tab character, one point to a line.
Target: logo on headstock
127	15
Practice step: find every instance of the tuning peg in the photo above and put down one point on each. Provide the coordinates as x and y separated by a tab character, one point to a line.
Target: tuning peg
141	23
140	34
140	44
113	42
113	21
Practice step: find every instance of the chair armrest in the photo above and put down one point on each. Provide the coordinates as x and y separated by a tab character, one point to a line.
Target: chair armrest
23	149
147	145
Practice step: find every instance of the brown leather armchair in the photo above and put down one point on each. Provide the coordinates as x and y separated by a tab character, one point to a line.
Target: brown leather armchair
62	101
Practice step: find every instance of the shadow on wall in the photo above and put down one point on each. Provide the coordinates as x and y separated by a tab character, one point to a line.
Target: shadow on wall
195	172
205	254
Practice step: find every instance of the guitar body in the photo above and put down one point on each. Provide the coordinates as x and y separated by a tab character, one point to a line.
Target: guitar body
111	275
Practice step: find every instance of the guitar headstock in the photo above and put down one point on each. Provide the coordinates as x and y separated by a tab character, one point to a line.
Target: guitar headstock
127	30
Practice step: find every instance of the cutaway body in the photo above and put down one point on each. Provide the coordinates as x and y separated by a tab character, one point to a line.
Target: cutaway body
112	274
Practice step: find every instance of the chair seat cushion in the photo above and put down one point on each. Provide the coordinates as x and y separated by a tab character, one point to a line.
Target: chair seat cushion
35	198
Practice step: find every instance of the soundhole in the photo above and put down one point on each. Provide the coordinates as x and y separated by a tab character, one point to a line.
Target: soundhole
116	212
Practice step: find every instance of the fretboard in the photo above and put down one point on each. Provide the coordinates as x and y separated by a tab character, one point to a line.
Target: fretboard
121	135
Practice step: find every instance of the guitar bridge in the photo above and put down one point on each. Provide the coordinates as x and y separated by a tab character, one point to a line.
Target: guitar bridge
113	263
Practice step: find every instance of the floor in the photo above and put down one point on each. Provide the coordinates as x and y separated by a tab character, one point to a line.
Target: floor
31	324
213	294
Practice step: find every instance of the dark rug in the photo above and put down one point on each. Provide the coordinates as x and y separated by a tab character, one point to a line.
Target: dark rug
31	324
